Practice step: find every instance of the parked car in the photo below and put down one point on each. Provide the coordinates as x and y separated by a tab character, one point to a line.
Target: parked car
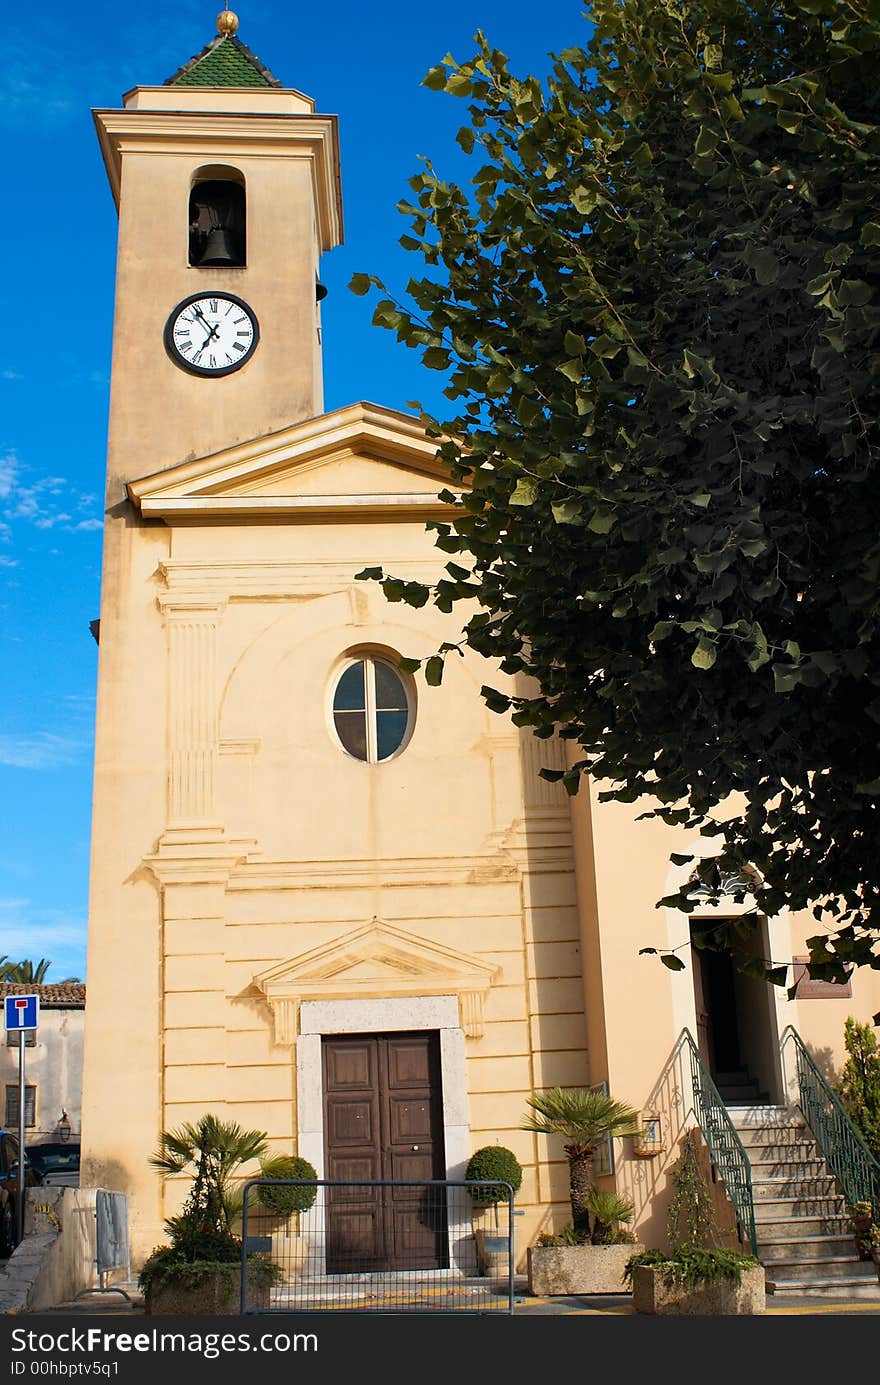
9	1189
56	1164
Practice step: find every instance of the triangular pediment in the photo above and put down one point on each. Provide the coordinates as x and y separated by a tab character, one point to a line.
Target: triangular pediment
376	961
355	462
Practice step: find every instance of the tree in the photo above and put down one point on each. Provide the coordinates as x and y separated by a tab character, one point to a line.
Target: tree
212	1150
859	1085
27	974
584	1119
658	304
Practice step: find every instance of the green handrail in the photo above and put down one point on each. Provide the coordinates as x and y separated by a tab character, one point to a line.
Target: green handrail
725	1147
841	1145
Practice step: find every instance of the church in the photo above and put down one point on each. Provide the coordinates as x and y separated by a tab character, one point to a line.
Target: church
322	893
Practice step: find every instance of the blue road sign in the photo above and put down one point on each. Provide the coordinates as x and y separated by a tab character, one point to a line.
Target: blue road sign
22	1011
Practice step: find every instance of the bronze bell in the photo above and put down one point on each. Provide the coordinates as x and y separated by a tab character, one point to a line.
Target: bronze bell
221	248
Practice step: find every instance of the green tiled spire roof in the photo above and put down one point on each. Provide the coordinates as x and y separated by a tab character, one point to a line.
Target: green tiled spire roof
225	62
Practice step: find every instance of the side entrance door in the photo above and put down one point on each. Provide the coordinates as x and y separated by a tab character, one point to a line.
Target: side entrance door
383	1119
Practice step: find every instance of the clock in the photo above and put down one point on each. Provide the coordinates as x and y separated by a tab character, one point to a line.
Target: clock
211	334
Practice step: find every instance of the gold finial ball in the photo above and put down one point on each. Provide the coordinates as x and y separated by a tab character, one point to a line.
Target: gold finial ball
227	22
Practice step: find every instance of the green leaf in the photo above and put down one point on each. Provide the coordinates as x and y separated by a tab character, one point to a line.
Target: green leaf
707	141
369	574
527	411
435	79
672	962
434	671
766	267
704	654
465	138
524	492
409	665
602	522
568	512
574	345
361	284
436	358
573	369
647	951
785	678
870	233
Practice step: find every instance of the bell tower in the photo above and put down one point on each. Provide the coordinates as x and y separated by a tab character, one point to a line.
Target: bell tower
228	191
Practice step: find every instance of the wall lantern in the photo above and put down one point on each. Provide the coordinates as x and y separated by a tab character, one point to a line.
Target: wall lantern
649	1140
64	1127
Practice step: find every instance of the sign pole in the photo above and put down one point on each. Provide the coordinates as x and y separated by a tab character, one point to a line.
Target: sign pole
22	1045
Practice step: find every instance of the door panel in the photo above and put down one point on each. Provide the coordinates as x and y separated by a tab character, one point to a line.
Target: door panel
383	1113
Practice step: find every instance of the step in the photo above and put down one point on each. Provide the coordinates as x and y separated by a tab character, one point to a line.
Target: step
733	1096
831	1288
732	1078
766	1115
804	1168
817	1188
787	1249
759	1152
834	1267
774	1209
811	1227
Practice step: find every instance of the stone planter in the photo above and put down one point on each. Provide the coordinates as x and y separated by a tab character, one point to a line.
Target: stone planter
217	1293
579	1269
291	1252
492	1253
720	1297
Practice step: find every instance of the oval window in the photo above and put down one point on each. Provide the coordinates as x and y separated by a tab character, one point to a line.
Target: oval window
371	710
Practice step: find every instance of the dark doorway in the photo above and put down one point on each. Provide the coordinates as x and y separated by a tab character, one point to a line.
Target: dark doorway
383	1119
736	1028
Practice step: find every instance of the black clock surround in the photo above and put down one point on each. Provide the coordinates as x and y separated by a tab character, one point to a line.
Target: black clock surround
193	366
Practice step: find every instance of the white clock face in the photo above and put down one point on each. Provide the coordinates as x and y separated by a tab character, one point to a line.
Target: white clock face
211	334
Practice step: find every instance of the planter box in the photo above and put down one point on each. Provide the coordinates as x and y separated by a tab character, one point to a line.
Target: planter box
291	1253
721	1297
214	1295
493	1252
579	1269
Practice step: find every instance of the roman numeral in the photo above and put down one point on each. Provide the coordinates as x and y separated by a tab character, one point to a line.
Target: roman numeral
213	305
186	346
212	360
242	334
237	346
239	319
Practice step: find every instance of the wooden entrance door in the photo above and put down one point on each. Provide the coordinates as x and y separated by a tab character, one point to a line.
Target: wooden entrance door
383	1119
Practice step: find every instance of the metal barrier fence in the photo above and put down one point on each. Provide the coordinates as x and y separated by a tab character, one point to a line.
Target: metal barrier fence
381	1246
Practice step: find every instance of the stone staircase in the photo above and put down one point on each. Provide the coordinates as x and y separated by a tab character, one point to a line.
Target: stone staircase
804	1241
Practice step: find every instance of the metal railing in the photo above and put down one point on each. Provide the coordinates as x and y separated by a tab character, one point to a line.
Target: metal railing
725	1147
841	1145
381	1246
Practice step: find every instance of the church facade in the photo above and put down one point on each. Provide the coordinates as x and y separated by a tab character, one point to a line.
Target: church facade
324	894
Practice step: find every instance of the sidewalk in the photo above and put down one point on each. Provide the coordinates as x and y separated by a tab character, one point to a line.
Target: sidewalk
585	1305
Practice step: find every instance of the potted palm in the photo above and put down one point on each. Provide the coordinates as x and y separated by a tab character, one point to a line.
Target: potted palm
199	1270
590	1257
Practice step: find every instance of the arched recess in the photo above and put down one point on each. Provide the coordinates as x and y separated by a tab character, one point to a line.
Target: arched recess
737	1019
218	218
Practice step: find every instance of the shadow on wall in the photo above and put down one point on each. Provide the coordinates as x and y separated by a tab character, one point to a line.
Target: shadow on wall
648	1182
824	1060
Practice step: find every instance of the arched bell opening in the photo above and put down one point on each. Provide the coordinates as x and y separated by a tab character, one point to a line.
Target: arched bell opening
218	218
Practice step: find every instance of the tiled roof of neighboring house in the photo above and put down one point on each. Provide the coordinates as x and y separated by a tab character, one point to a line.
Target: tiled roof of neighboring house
65	995
224	62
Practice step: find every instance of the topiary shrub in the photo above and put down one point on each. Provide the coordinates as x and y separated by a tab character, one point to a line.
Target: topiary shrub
491	1162
284	1200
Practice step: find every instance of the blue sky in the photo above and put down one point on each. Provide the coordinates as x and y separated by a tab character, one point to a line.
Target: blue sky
362	62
